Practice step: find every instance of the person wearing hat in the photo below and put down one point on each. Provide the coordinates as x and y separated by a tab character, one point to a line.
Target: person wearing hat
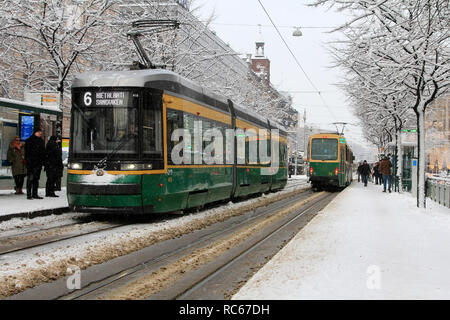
34	157
53	165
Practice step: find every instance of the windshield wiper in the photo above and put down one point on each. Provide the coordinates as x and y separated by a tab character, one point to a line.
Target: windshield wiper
102	163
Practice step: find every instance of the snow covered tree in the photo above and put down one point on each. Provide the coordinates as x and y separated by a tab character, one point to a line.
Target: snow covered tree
48	37
411	40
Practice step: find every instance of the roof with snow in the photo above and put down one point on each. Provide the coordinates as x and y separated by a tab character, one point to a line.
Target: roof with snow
22	105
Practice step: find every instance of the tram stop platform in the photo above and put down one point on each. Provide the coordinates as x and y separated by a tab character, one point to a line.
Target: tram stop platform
365	244
18	206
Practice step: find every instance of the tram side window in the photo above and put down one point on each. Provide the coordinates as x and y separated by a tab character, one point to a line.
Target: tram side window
152	126
283	154
174	121
251	147
189	123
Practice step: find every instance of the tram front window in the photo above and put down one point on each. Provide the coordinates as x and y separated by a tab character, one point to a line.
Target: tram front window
101	129
324	149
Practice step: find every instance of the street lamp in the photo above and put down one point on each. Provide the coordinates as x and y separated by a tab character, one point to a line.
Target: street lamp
297	32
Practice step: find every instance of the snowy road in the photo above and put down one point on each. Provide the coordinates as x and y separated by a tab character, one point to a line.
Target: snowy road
28	268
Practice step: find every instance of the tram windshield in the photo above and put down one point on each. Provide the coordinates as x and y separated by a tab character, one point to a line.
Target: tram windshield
324	149
105	122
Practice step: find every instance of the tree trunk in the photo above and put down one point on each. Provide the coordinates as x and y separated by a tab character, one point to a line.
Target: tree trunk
59	118
421	158
400	162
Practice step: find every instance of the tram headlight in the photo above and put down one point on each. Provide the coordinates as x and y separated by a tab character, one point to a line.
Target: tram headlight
135	166
128	166
75	166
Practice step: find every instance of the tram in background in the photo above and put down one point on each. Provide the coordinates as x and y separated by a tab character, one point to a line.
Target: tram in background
120	145
330	161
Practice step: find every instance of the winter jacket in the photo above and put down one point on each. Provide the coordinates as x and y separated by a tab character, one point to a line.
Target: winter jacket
53	157
359	169
34	152
385	167
365	170
376	171
17	159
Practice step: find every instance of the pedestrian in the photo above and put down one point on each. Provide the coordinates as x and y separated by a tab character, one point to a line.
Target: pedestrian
291	169
376	173
365	172
359	171
385	169
16	156
34	157
53	166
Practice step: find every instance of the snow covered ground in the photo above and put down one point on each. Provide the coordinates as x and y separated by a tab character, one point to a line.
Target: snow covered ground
366	244
17	203
23	269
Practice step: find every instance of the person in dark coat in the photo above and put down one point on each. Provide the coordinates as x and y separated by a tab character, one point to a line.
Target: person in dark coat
376	173
16	155
358	171
53	166
365	172
291	169
34	157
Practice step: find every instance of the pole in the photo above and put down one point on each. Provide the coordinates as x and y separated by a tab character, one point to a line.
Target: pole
296	152
304	133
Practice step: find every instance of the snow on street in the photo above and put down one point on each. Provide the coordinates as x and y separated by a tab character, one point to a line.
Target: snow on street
24	269
366	244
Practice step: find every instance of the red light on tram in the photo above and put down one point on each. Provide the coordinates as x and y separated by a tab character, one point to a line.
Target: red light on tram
324	137
336	171
160	185
311	170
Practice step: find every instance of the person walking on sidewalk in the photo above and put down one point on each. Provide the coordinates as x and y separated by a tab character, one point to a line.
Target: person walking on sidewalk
53	166
34	157
16	155
385	170
365	171
358	171
376	173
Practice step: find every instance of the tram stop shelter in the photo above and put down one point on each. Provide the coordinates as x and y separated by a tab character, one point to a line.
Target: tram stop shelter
20	118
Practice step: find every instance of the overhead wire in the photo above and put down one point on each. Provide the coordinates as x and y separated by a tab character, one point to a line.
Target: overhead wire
297	62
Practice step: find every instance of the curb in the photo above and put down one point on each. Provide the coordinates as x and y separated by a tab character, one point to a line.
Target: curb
34	214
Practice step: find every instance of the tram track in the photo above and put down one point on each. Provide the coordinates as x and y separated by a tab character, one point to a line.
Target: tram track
154	244
48	236
174	264
180	249
45	236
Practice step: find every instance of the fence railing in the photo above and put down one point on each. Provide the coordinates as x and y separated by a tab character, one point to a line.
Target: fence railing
438	190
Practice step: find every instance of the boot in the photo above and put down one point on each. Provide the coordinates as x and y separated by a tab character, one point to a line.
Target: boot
19	191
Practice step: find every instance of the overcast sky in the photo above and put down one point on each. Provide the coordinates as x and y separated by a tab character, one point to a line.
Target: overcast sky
236	24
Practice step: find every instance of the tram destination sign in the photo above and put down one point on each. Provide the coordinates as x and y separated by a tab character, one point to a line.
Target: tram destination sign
106	98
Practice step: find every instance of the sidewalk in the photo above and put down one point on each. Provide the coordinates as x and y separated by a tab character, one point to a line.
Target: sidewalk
366	244
18	206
